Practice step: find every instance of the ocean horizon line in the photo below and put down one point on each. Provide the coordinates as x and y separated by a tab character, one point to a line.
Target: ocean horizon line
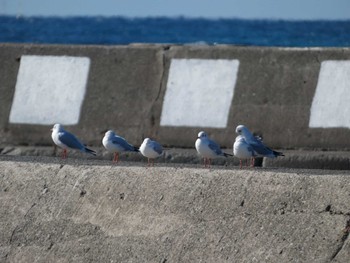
175	17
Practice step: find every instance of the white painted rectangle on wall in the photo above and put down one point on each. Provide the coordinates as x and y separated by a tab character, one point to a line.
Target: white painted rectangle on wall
50	89
199	92
331	103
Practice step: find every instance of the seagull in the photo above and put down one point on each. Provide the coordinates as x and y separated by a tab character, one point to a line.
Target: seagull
259	148
116	144
208	148
243	150
67	140
151	150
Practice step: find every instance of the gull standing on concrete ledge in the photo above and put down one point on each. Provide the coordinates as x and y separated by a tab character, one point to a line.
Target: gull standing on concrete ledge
151	150
116	144
259	148
67	140
208	149
243	150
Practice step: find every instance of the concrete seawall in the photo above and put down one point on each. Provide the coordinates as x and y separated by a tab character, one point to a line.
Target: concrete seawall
297	98
80	212
85	210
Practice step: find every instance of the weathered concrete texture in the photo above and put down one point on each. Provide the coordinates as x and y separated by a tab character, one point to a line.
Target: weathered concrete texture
273	96
55	212
334	160
330	160
123	83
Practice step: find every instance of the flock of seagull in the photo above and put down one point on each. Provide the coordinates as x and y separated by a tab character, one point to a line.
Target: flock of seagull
246	146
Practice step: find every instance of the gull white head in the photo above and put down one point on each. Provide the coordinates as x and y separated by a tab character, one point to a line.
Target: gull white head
146	140
242	130
202	135
57	128
109	133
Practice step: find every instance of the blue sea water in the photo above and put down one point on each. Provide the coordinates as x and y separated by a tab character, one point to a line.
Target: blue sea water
180	30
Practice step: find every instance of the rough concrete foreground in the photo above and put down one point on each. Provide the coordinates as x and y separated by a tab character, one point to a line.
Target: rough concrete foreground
89	211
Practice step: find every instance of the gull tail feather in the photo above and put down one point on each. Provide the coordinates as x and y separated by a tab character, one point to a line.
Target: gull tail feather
227	154
90	151
278	153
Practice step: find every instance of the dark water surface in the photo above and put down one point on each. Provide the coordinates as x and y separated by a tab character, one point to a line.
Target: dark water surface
120	30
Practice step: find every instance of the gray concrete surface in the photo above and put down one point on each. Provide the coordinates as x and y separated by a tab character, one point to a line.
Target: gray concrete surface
85	210
332	160
123	83
126	87
273	96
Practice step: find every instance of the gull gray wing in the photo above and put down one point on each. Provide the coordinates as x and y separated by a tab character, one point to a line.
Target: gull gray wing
70	140
215	147
261	149
250	148
123	143
157	147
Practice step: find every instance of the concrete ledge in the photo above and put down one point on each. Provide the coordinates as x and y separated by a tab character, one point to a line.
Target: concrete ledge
80	212
330	160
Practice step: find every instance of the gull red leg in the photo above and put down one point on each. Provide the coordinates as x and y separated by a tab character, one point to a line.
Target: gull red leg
252	162
116	157
240	163
64	154
206	162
